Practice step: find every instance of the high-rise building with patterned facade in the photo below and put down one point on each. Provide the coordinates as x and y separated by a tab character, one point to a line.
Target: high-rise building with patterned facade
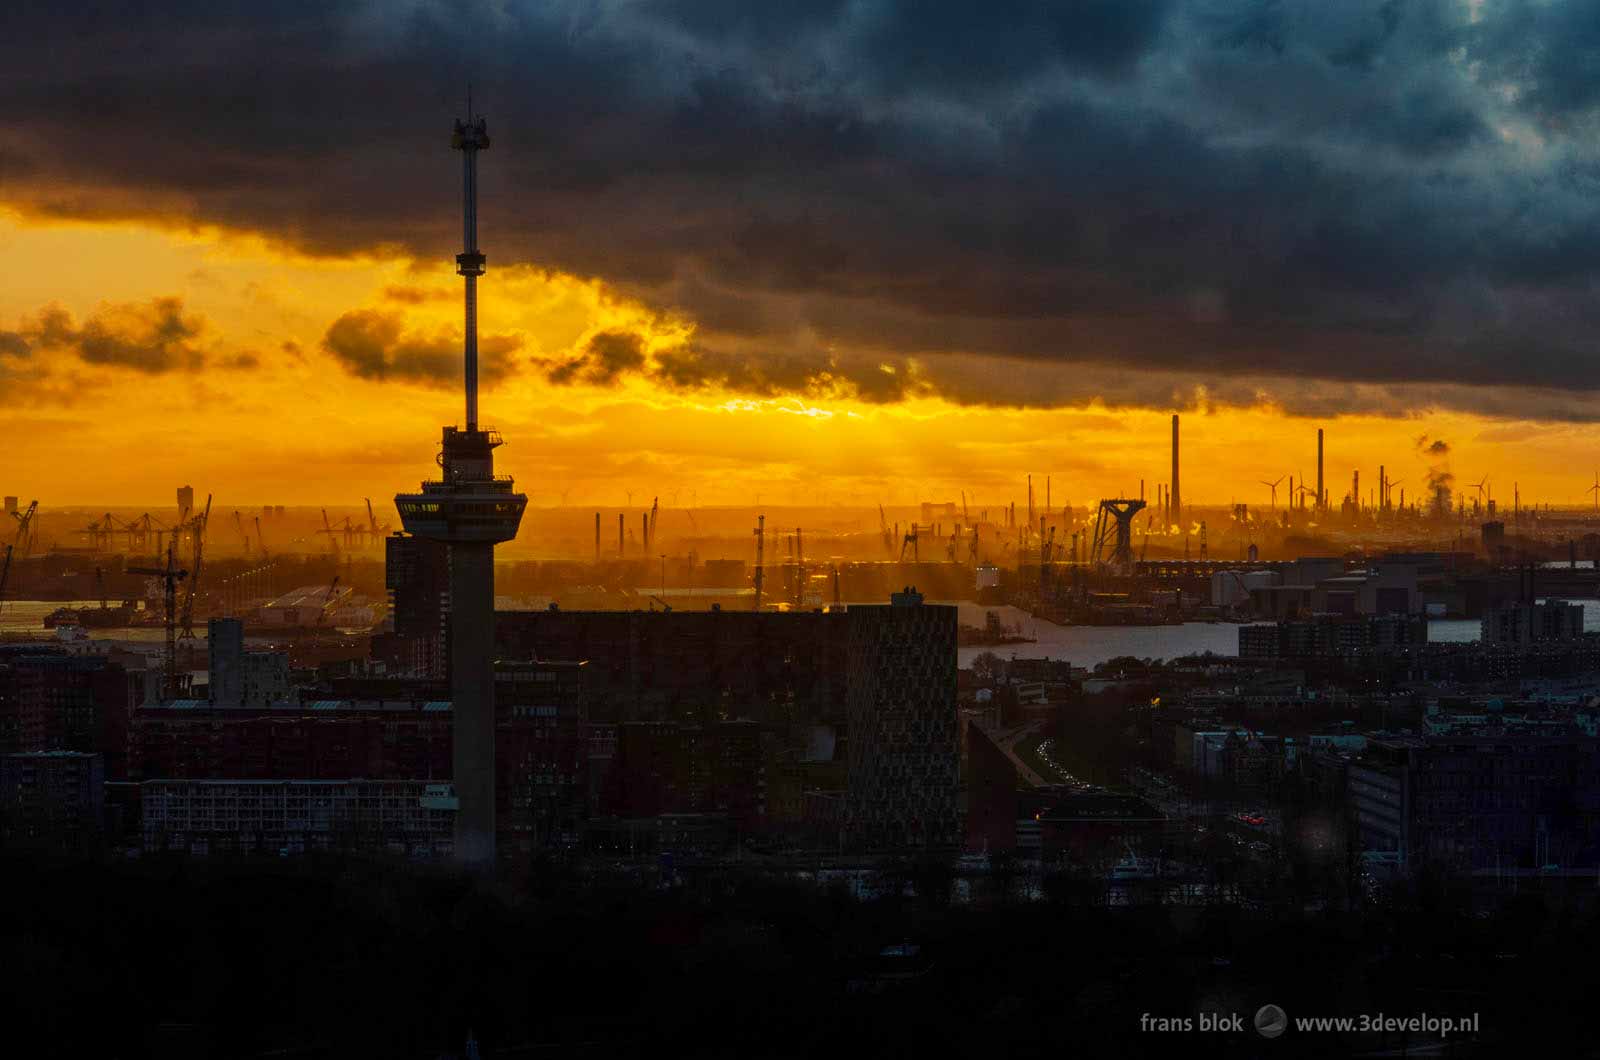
904	761
416	572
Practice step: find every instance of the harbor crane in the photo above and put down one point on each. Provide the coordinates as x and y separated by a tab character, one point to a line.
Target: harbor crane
200	522
26	528
1113	532
909	540
332	534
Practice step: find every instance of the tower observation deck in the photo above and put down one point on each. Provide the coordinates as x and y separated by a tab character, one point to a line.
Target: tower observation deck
471	509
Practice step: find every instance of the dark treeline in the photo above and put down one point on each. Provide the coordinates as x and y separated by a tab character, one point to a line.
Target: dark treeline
355	959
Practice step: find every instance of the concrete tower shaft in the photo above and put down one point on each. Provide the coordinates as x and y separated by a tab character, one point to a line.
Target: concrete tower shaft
472	509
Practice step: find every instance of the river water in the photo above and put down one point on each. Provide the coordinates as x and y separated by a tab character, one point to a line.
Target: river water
1089	646
27	616
1086	646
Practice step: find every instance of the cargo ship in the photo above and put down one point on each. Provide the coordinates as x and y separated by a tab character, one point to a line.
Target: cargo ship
102	617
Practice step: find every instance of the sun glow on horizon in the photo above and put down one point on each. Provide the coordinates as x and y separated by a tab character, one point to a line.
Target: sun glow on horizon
299	425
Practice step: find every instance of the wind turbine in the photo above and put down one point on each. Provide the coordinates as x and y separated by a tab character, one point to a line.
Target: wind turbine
1479	487
1273	486
1595	489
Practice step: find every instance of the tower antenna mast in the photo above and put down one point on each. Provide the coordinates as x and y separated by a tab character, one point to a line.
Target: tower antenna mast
471	136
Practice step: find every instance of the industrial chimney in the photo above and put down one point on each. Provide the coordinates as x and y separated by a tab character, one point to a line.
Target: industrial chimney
1321	496
1177	495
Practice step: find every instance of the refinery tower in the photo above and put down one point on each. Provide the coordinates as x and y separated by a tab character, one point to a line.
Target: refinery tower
471	509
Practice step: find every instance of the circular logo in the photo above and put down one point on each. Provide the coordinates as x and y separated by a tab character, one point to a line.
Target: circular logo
1271	1021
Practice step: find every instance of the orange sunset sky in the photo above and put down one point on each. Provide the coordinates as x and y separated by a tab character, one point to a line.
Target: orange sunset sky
850	253
291	425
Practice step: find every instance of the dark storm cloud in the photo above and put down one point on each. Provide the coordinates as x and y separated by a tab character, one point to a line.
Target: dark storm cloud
408	295
794	369
375	344
153	337
1259	200
603	361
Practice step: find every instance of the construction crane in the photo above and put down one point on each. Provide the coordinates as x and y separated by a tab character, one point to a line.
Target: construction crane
327	599
911	540
200	522
170	576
